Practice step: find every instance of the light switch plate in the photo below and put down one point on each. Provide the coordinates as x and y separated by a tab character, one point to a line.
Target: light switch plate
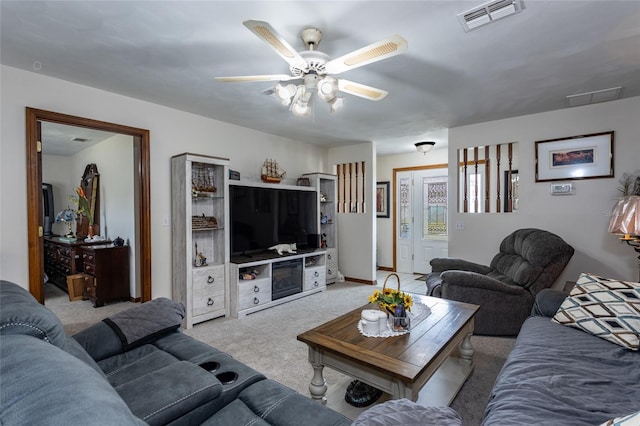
562	189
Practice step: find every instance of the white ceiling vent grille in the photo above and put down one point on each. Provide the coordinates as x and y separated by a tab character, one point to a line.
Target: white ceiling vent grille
594	97
488	12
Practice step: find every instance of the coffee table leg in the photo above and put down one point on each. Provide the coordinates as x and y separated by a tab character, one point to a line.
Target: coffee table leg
466	351
318	386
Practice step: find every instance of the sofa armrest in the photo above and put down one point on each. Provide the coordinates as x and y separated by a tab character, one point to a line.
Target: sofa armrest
440	264
131	328
547	302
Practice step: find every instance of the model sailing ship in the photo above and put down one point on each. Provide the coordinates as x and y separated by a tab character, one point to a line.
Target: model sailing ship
271	172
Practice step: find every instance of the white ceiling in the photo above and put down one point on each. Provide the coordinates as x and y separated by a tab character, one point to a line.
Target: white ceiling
168	52
63	140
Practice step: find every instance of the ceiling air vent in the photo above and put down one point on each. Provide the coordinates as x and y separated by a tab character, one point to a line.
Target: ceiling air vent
488	12
594	97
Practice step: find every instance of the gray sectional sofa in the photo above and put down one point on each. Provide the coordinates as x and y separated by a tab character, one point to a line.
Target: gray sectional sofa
557	375
137	368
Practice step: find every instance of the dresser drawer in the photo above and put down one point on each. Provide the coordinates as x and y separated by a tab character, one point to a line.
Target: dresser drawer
314	278
254	292
208	290
88	257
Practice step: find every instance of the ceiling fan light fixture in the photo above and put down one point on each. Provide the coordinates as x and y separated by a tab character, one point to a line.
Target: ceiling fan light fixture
285	92
300	109
425	147
335	104
315	68
327	88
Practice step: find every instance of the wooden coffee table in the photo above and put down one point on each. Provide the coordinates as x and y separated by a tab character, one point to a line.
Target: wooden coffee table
399	365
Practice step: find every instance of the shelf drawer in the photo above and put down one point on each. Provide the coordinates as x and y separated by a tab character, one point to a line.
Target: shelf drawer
315	278
332	272
254	293
208	290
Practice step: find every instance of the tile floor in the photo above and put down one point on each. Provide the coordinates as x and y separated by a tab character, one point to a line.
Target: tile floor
408	282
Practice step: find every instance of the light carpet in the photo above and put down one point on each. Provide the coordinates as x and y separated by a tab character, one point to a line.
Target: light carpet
266	340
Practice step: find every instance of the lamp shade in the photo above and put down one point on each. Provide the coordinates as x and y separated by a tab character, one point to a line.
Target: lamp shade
66	215
625	216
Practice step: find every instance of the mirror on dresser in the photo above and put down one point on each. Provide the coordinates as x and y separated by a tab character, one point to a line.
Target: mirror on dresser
122	155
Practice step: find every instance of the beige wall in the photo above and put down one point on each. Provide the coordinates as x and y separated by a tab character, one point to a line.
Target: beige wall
580	219
172	132
386	164
356	231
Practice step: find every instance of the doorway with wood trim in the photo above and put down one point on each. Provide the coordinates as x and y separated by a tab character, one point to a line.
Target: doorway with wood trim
420	203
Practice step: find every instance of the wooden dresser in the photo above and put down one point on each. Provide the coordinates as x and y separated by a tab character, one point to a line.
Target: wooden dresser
62	258
109	266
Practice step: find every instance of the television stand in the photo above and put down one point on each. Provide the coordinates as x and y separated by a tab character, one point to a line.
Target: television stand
257	284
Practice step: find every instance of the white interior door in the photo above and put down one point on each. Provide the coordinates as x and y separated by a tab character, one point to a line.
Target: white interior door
421	219
430	237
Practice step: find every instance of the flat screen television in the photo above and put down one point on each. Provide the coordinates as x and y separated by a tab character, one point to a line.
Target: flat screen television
264	217
48	213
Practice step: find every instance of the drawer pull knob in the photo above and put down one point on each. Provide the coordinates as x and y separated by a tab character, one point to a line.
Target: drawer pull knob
316	283
210	302
329	271
256	289
210	279
256	301
329	256
316	274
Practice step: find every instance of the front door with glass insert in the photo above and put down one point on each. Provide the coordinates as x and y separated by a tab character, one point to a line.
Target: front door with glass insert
421	219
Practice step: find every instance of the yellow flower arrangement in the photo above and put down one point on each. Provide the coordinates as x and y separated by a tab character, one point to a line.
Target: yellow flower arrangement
388	299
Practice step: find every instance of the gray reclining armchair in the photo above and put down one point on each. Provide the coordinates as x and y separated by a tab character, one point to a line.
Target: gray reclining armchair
529	261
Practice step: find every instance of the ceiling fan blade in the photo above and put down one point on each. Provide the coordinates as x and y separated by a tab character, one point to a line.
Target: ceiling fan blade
244	78
270	36
383	49
361	90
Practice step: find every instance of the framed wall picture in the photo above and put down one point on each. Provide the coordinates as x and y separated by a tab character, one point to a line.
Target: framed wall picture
575	157
382	199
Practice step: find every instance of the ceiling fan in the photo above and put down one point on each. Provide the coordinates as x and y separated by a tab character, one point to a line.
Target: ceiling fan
316	69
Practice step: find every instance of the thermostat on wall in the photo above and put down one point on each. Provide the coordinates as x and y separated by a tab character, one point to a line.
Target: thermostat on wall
562	189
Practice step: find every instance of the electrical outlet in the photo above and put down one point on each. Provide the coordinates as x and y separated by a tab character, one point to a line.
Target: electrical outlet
459	226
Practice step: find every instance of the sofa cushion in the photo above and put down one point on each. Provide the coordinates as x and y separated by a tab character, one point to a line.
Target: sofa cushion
607	308
168	393
44	385
407	413
235	413
20	313
129	366
269	402
564	377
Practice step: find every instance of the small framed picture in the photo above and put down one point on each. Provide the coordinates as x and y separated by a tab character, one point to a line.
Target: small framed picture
382	199
575	157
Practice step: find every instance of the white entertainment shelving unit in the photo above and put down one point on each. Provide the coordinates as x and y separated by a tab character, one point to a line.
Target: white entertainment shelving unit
252	295
199	212
327	219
